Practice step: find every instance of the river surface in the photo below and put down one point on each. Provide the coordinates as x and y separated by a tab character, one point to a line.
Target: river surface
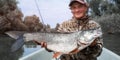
111	41
5	49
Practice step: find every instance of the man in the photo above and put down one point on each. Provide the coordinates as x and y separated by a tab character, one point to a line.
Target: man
81	21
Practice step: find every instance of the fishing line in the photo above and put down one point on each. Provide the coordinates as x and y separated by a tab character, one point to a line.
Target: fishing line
39	11
44	27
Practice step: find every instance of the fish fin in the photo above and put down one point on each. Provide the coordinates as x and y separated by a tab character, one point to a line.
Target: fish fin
18	44
74	51
56	54
15	34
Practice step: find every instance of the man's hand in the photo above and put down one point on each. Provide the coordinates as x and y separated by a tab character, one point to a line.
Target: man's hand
43	45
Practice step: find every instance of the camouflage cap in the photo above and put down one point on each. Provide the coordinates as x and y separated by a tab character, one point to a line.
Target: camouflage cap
80	1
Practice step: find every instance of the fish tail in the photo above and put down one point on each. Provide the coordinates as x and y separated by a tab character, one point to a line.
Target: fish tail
18	44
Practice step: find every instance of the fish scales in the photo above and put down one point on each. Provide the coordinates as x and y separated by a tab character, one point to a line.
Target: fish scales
57	42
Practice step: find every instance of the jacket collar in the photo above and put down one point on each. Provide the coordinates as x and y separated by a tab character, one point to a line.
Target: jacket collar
83	20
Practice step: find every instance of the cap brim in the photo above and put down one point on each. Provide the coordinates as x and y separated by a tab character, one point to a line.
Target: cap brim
81	2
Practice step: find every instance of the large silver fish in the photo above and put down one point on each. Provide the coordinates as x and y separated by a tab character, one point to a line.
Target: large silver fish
58	42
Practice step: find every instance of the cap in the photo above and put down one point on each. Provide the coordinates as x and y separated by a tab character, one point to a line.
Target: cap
80	1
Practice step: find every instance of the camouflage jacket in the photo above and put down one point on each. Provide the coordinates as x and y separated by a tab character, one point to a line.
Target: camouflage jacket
74	25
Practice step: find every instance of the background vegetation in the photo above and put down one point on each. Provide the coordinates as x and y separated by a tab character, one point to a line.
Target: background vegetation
106	12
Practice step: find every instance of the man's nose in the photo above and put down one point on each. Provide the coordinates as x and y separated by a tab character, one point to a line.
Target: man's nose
77	9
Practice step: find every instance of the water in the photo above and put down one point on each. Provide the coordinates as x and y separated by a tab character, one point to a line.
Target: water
5	53
110	41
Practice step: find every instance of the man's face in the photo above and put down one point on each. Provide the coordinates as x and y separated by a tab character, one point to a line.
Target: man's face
78	10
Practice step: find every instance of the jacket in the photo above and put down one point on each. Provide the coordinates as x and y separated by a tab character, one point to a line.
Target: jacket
89	53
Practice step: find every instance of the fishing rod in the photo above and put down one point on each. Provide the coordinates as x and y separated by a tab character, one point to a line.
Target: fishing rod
39	11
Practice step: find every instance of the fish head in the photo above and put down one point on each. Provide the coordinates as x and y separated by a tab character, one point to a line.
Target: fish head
97	33
93	34
89	35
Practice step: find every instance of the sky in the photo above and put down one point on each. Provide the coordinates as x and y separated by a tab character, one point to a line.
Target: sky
52	11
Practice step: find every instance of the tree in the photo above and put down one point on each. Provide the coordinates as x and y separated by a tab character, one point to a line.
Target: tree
102	7
7	5
94	5
117	3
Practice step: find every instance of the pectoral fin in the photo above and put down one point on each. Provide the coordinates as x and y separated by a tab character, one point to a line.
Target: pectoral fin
57	54
74	51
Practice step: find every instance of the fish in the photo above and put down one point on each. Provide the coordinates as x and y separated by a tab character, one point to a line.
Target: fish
60	43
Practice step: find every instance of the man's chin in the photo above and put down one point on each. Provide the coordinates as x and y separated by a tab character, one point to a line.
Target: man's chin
79	16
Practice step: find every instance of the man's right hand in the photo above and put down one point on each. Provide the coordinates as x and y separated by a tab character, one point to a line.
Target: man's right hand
43	45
